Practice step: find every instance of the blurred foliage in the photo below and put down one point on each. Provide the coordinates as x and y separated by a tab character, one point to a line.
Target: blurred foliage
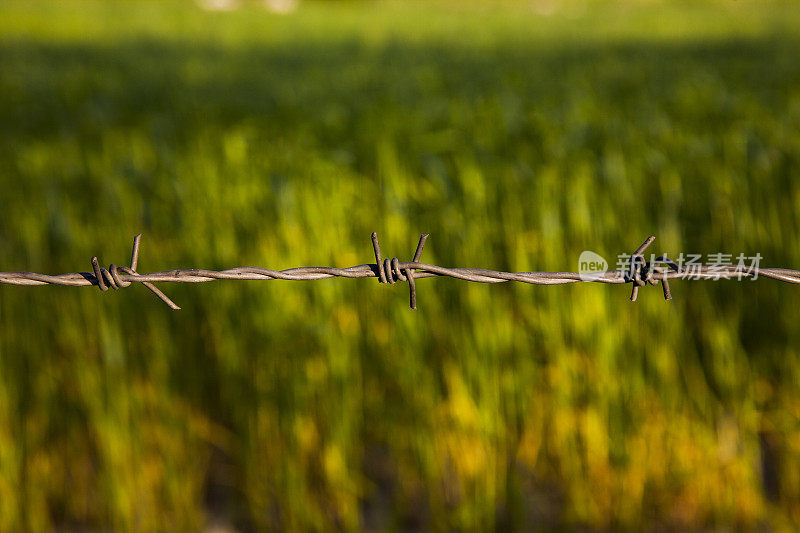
518	135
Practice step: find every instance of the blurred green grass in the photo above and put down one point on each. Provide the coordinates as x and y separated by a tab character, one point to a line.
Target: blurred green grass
517	140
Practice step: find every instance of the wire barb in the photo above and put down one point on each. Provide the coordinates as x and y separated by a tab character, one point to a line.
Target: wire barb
391	271
105	278
639	273
638	266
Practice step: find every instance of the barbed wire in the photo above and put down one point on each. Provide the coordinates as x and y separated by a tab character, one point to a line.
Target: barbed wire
639	272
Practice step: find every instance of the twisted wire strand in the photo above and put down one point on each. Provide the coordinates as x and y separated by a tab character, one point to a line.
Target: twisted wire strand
640	273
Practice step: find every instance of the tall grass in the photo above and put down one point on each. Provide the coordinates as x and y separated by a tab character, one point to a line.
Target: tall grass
517	140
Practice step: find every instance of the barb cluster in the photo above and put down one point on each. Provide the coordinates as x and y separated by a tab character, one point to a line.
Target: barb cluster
640	272
390	271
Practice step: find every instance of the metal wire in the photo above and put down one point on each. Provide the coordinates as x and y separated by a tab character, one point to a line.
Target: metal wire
640	272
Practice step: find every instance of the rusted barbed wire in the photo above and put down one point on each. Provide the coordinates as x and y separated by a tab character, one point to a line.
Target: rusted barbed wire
640	272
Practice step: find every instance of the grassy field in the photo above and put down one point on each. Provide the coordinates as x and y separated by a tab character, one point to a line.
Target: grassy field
518	135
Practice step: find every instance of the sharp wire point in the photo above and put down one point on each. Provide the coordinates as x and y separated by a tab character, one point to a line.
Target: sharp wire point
135	251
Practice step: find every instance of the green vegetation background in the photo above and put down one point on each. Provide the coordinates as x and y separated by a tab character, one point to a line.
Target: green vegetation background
518	135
